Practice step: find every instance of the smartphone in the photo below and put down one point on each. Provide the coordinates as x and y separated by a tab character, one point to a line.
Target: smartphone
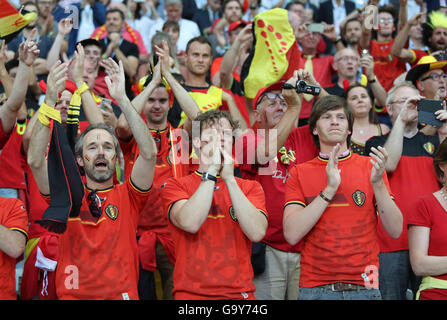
315	27
426	111
104	107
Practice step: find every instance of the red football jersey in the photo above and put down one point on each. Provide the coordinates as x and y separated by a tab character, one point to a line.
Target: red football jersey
386	66
3	136
343	244
99	257
299	148
12	216
215	262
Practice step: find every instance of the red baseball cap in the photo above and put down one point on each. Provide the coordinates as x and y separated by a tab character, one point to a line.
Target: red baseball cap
272	87
236	24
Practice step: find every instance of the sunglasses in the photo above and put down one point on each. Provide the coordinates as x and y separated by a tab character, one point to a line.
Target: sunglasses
93	206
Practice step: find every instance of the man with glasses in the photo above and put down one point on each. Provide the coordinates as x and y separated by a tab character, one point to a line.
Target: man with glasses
429	76
276	111
411	174
98	254
346	63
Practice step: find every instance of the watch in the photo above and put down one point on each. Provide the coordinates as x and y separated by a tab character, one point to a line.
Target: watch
206	176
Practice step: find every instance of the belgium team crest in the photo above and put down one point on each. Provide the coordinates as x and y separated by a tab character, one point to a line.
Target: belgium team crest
232	214
112	211
429	147
359	198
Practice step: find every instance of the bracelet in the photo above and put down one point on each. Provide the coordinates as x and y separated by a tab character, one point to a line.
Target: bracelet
324	197
373	80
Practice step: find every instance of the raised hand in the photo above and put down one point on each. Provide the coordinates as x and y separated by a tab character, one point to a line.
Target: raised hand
164	57
291	96
409	113
379	157
78	67
28	50
55	82
115	80
65	26
332	171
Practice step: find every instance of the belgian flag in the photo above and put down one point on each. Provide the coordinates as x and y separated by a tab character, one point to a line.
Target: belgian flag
12	21
275	53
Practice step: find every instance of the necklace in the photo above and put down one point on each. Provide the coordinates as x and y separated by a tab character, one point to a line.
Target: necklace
443	195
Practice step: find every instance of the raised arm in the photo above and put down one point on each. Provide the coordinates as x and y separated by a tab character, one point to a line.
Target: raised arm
186	101
64	28
380	94
123	129
143	170
398	48
28	53
41	132
232	57
91	109
280	132
394	143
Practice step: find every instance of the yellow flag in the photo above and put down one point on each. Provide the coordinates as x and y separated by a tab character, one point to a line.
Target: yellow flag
274	40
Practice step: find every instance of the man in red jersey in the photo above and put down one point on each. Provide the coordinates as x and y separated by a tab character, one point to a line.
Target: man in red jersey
155	242
275	111
214	218
331	204
98	254
411	175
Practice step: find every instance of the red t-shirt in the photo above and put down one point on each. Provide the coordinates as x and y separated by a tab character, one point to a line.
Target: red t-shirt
417	55
12	216
343	244
428	212
273	179
414	176
3	136
99	257
386	66
213	263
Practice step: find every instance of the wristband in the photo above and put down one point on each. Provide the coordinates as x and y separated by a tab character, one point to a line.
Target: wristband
324	197
46	113
206	176
372	80
84	87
